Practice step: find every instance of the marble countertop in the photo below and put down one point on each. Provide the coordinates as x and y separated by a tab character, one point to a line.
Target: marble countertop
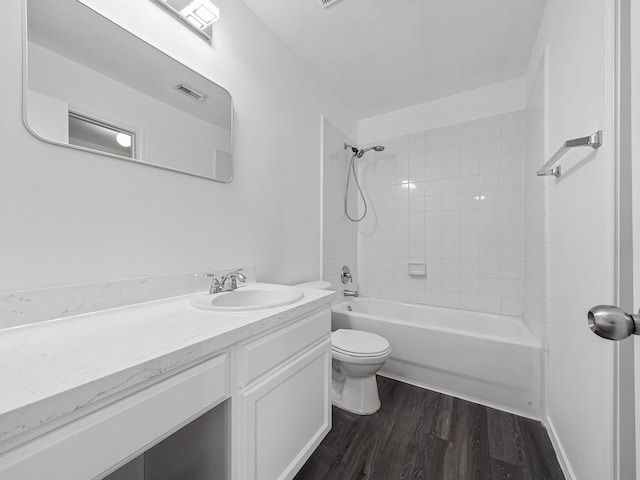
55	368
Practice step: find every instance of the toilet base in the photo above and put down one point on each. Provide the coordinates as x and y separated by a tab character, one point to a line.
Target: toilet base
357	395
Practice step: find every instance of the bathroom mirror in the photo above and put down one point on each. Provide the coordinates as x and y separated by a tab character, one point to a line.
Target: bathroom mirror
91	85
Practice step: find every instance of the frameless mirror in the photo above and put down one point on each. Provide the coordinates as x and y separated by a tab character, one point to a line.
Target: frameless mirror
91	85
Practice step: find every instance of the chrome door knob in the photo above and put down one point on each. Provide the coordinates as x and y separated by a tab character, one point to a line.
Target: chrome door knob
612	323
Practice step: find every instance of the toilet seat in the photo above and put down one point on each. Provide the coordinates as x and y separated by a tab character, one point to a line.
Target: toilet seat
356	343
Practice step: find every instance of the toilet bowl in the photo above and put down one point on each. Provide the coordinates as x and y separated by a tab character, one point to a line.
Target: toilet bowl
356	358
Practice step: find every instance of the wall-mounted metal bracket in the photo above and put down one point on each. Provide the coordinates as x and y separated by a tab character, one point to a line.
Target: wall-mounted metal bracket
594	141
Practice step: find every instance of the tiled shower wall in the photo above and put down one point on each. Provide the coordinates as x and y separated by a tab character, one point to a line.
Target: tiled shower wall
450	198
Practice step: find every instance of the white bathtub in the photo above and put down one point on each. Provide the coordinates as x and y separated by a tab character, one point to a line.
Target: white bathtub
489	359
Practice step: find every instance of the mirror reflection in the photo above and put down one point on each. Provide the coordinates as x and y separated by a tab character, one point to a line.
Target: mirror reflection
92	85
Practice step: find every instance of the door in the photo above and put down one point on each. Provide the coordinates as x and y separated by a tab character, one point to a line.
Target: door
620	324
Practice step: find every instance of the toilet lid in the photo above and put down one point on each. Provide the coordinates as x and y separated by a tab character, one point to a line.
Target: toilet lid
359	343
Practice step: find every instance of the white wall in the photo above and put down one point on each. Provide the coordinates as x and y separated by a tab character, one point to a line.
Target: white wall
581	230
339	234
72	217
450	198
483	102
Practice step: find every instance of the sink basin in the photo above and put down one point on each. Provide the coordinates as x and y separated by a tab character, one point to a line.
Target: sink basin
250	297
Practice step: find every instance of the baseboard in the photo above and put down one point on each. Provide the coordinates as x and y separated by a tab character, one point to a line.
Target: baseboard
559	449
463	397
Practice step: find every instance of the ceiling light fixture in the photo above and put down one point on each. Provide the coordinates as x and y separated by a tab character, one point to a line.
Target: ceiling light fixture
197	14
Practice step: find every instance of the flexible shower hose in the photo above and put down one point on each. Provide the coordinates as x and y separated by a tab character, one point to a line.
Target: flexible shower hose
352	168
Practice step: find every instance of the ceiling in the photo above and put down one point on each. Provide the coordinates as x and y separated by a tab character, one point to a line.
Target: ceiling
382	55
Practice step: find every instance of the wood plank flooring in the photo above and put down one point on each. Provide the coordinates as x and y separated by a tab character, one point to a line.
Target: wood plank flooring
423	435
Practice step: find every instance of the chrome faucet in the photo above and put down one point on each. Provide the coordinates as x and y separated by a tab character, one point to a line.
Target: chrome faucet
233	277
350	293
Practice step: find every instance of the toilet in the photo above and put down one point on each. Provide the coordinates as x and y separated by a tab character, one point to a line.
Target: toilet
356	358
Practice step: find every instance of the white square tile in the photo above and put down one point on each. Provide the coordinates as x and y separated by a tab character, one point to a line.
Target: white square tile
450	299
490	128
433	156
417	142
470	151
469	132
470	268
450	202
434	266
490	164
511	144
489	286
451	169
450	234
416	219
490	304
416	204
450	136
469	251
416	159
450	283
511	306
469	233
512	123
433	139
433	187
450	185
469	167
470	285
433	171
433	203
432	218
451	250
451	218
433	234
511	288
451	154
451	267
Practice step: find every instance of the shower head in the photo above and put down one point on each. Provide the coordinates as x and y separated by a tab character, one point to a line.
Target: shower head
378	148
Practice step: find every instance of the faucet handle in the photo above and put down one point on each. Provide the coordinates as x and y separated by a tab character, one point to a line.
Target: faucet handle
215	283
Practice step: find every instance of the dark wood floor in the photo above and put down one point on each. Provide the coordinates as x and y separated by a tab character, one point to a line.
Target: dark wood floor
420	434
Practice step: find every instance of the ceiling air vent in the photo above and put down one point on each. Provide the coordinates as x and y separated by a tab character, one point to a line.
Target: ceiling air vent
327	3
191	92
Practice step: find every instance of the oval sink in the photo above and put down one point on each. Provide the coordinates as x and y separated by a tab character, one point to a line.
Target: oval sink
251	297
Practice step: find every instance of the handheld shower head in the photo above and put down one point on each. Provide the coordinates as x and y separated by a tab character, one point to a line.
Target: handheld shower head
377	148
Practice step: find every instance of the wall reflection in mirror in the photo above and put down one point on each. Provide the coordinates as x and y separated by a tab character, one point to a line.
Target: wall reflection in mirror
92	85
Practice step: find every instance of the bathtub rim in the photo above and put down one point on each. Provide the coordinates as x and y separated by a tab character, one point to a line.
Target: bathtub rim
533	341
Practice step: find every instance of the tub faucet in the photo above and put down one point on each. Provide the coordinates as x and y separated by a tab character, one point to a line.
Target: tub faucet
350	293
233	277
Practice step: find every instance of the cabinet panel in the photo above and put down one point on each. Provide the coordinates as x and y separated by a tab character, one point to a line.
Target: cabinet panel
260	356
287	415
92	445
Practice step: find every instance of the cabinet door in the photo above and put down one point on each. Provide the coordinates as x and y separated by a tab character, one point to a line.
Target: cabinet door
286	416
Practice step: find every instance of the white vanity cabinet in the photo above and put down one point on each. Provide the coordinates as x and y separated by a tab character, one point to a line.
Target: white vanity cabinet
264	386
283	409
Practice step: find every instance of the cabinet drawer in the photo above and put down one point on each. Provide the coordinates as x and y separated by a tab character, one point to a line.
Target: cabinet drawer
259	356
88	447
